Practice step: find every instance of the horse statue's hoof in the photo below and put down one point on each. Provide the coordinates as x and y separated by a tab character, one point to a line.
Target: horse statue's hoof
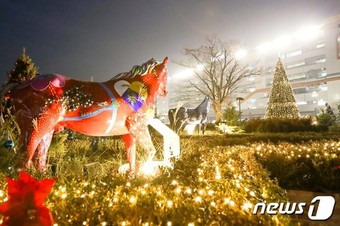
124	168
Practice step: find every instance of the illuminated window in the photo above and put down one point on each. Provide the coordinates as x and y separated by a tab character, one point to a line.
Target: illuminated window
294	53
321	45
298	76
316	60
320	61
323	74
301	103
323	87
300	90
297	64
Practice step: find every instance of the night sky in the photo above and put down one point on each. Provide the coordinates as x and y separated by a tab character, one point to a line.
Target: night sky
102	38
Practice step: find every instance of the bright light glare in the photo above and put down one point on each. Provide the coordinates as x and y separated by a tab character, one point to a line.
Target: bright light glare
149	168
308	33
282	42
200	67
241	53
264	48
321	102
315	94
187	73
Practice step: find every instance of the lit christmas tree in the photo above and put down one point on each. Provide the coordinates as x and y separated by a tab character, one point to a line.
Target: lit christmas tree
282	102
24	69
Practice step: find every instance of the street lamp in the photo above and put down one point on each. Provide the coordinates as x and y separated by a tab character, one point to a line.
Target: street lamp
239	99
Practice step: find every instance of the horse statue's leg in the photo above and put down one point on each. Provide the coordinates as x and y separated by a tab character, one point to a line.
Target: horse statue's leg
204	127
41	126
41	152
130	145
137	125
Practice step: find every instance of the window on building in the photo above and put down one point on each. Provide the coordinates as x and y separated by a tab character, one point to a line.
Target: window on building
315	60
323	74
321	45
323	87
315	73
300	90
301	103
296	64
252	89
294	53
297	77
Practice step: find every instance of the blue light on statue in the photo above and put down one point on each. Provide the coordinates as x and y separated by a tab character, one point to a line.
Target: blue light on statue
9	144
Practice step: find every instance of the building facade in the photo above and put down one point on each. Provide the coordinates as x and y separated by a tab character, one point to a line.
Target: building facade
312	63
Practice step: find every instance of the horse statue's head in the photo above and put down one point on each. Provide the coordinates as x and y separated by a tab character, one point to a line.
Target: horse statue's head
152	73
146	81
157	79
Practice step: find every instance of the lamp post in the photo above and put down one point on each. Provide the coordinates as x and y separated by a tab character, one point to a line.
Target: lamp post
239	99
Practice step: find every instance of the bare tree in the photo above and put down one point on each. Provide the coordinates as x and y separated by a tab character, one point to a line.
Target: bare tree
219	71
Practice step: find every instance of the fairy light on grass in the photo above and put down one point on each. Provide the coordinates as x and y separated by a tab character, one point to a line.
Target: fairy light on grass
169	203
198	199
174	182
132	200
247	206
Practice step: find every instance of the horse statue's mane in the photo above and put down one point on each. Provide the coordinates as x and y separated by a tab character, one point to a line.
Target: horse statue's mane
141	70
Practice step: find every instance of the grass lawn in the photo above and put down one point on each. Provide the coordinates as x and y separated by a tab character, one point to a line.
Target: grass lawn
217	180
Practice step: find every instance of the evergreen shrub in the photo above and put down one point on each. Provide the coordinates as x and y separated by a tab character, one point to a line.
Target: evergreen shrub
277	125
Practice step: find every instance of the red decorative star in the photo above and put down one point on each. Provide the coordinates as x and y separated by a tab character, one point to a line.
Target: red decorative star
25	204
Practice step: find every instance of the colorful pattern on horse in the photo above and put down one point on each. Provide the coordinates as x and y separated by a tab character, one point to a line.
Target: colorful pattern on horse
135	95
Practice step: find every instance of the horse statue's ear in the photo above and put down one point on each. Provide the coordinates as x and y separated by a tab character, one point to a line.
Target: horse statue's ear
165	61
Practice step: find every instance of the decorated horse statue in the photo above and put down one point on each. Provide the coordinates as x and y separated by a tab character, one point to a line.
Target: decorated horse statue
48	103
181	117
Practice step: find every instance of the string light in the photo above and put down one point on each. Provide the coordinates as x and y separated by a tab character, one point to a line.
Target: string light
133	200
198	199
214	195
247	206
169	203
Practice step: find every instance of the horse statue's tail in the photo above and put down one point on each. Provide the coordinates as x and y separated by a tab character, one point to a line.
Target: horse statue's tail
3	91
